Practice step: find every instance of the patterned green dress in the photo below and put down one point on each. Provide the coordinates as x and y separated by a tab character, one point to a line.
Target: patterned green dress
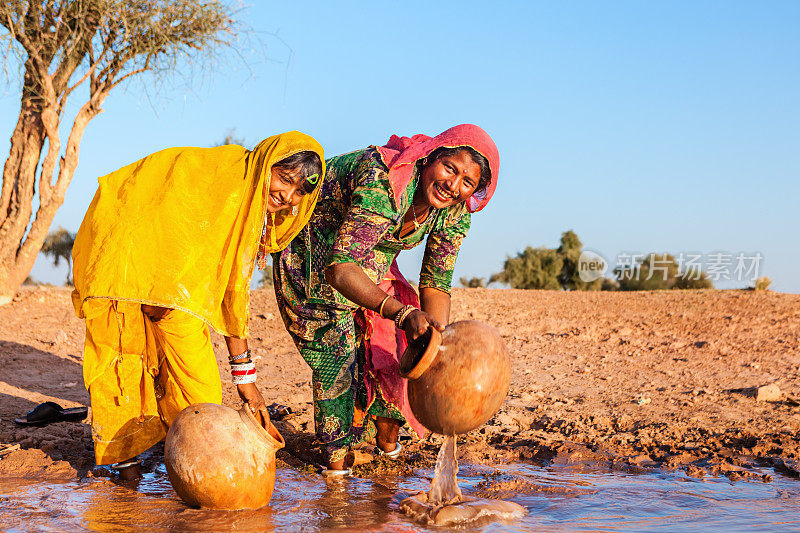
356	220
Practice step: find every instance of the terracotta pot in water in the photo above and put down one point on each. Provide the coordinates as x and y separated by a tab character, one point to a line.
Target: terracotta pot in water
457	379
220	458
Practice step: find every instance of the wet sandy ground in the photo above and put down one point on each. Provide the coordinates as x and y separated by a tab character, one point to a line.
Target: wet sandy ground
627	381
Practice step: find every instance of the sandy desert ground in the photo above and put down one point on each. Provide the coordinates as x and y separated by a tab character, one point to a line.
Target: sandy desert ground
611	380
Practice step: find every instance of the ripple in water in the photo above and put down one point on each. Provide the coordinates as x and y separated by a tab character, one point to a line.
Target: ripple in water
555	498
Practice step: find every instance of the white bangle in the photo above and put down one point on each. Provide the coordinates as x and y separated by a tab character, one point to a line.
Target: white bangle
243	373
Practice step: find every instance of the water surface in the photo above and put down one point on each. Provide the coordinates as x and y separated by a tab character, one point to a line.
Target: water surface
556	499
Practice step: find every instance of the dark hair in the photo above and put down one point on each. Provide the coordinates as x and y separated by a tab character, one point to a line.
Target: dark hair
477	158
306	162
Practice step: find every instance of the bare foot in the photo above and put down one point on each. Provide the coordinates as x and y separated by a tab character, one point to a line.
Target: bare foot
388	430
130	473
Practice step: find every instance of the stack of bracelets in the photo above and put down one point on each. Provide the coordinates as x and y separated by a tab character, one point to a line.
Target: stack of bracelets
243	370
400	316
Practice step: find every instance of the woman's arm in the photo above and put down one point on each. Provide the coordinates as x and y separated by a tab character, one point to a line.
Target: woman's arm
436	274
248	392
436	303
354	284
236	346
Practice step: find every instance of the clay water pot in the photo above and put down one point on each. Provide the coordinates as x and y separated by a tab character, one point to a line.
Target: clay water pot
220	458
457	379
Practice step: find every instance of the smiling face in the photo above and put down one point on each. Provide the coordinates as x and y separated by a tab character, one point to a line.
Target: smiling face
287	188
448	180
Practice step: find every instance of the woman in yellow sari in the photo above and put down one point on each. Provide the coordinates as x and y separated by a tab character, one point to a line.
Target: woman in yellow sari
168	247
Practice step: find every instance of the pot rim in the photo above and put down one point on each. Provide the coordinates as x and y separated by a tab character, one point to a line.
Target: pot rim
262	432
428	356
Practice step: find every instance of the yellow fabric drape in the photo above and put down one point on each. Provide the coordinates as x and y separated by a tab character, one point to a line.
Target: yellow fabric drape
141	374
181	229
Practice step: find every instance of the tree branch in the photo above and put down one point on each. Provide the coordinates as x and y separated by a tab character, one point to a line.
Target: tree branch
50	121
92	67
66	170
131	73
69	161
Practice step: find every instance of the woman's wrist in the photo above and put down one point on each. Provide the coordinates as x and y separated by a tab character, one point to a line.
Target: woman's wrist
243	373
243	357
401	315
243	369
383	303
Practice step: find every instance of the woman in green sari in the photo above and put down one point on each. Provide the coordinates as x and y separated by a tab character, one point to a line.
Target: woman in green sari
347	307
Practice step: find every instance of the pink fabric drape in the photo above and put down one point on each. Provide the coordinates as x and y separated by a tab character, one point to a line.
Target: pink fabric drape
384	346
400	154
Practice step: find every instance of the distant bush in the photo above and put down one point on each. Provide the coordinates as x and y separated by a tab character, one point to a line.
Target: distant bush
609	284
547	268
533	268
58	245
762	284
652	273
560	268
570	251
693	278
660	272
472	283
230	138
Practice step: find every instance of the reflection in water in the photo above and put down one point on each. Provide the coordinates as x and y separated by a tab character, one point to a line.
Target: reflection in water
555	498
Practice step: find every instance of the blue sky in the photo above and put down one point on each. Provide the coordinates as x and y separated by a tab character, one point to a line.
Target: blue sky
643	126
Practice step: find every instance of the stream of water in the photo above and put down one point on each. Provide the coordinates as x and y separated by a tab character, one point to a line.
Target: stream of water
444	487
556	499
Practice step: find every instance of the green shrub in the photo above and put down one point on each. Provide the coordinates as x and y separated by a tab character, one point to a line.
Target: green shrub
533	268
472	283
653	272
693	278
570	251
58	245
609	284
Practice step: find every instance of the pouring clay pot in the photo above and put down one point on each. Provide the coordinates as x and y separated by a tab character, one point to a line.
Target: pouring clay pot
457	379
220	458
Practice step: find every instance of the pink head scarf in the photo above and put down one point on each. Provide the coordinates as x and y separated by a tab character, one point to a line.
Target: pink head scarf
400	154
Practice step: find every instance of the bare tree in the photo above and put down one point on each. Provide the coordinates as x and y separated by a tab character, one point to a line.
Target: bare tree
63	45
58	245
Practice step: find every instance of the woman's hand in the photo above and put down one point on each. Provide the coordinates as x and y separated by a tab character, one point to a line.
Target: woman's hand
255	402
418	322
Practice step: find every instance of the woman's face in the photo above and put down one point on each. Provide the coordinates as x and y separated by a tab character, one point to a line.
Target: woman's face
286	188
449	180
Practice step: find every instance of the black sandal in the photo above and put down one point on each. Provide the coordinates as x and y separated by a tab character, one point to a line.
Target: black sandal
50	413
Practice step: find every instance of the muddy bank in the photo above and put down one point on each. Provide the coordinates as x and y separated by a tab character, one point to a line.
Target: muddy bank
621	380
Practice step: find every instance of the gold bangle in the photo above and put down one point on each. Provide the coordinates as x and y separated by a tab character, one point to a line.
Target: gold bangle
380	307
403	318
402	314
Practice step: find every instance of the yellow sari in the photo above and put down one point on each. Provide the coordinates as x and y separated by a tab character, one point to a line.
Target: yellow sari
180	229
